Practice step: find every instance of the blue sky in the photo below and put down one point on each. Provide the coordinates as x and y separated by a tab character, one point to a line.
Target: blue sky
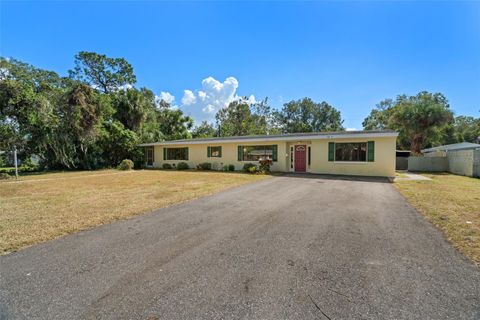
350	54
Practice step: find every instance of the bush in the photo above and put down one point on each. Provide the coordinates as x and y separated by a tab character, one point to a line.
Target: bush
3	161
4	176
7	170
204	166
252	169
182	166
231	167
166	166
265	165
126	164
27	166
247	166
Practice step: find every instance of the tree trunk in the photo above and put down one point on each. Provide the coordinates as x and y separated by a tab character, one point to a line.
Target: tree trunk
417	143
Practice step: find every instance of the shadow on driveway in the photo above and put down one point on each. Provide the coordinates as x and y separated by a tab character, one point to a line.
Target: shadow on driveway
337	177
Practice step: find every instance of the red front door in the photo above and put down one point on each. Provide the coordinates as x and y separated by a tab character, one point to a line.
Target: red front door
300	158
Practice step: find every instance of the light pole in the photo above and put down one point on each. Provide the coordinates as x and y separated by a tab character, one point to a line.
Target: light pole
15	161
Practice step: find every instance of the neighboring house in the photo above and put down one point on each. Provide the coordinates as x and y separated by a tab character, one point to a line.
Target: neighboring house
441	151
367	153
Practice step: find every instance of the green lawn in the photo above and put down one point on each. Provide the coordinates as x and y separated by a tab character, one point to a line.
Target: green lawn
40	207
452	203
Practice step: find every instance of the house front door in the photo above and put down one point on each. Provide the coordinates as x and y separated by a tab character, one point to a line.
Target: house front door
300	158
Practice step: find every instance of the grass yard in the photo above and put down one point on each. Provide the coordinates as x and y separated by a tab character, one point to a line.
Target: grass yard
42	207
452	203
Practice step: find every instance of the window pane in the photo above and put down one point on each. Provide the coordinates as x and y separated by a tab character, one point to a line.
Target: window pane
215	151
350	151
177	153
256	153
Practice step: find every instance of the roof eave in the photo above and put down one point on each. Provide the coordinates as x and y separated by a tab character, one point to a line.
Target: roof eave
287	138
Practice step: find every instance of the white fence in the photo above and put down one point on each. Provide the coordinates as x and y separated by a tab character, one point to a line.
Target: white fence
462	162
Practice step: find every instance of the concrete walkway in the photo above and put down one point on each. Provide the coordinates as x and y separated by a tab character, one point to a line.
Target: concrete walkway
411	176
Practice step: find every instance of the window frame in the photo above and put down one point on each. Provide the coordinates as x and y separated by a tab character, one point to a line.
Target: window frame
210	151
176	148
350	161
274	148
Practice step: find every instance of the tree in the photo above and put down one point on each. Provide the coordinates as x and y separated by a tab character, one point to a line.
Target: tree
133	107
463	128
26	74
379	118
173	124
204	130
306	115
119	143
421	120
84	115
240	118
102	72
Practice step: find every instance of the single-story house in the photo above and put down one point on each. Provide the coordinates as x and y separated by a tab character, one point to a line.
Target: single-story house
441	151
365	153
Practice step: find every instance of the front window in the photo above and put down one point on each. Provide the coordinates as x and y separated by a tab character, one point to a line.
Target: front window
256	153
176	154
215	152
351	152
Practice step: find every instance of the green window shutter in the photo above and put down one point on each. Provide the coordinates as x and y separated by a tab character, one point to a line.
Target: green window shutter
240	153
331	151
274	153
186	152
220	151
164	153
371	151
209	152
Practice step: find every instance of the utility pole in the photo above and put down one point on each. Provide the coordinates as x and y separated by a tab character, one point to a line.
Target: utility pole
15	160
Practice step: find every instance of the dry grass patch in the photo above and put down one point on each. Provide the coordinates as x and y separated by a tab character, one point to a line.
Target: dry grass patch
453	204
42	207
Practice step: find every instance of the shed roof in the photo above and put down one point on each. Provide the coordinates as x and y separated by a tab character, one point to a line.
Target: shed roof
453	147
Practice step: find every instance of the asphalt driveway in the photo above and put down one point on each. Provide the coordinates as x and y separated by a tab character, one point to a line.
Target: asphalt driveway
291	247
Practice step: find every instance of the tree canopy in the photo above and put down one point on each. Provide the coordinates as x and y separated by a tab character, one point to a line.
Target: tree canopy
240	118
306	115
423	120
204	130
105	73
88	120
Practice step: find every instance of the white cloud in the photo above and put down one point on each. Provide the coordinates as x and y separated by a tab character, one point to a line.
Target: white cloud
166	96
125	87
188	97
351	129
213	96
202	95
